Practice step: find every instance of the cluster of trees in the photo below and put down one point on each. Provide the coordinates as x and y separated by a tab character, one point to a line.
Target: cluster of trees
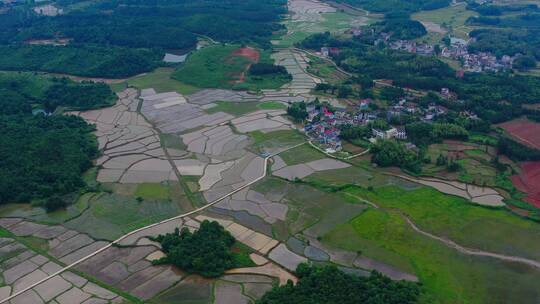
424	134
516	150
77	96
450	164
388	153
397	6
328	284
353	132
81	60
498	10
298	111
262	69
206	251
507	42
401	28
341	90
43	156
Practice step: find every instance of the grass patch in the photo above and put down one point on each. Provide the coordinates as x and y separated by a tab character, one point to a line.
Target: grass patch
171	141
447	276
153	191
272	105
161	81
241	254
301	154
276	140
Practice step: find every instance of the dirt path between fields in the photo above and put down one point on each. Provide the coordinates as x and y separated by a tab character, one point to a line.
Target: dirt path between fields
454	245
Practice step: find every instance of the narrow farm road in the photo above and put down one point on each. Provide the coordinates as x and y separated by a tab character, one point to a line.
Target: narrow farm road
117	241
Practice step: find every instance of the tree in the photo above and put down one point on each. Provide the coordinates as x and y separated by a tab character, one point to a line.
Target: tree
54	203
206	251
298	111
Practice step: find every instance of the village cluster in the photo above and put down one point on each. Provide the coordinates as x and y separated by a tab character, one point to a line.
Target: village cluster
324	123
457	50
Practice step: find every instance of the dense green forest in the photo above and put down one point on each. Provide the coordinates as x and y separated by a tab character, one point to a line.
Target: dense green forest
44	155
328	284
206	251
397	6
85	60
506	29
26	90
121	38
506	42
159	23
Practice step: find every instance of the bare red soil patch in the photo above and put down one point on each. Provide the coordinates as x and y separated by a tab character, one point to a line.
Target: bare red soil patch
529	182
525	131
248	52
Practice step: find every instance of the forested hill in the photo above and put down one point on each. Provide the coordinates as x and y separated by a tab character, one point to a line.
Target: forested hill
120	38
43	156
397	6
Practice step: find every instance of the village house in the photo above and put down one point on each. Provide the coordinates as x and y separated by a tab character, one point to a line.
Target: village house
384	134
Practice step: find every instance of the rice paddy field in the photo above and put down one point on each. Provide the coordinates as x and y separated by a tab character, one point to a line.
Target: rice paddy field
241	108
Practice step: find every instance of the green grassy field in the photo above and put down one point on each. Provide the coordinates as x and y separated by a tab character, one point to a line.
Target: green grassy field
302	154
446	275
216	67
160	80
212	67
171	141
241	108
455	218
275	141
152	191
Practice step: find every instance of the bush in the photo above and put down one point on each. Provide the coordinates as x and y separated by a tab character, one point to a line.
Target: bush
54	203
